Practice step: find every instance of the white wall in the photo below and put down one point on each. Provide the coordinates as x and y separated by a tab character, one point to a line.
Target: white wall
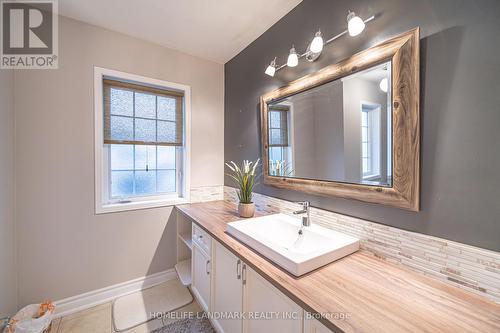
8	284
64	248
318	144
328	131
318	132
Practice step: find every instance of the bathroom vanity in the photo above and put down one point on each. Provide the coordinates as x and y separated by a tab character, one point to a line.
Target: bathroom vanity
358	293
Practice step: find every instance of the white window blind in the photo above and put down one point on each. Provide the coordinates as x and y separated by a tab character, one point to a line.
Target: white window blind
142	115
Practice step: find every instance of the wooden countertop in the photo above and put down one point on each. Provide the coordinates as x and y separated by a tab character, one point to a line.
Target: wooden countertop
377	296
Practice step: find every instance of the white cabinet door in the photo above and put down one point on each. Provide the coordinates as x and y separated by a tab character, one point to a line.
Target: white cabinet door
201	277
272	311
312	325
227	290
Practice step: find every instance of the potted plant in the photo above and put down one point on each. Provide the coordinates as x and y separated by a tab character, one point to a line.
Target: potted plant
245	177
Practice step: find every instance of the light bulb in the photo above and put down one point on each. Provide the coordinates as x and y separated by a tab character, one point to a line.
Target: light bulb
355	24
317	43
271	69
293	59
384	84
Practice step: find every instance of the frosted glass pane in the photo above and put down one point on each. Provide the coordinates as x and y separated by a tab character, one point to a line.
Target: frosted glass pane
364	134
166	131
166	108
145	182
145	155
122	183
145	130
122	157
166	181
274	118
166	157
145	105
122	128
275	137
121	102
276	154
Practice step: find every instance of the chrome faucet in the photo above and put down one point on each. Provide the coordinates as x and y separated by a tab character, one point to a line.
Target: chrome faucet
306	220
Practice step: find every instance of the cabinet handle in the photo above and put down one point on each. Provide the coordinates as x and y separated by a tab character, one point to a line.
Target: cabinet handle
206	267
238	269
244	274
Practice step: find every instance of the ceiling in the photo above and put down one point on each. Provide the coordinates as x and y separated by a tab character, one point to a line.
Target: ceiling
374	74
216	30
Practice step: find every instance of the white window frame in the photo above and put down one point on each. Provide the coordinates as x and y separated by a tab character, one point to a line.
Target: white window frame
374	115
288	153
101	154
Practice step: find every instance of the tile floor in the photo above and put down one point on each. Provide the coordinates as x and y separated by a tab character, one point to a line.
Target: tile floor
99	320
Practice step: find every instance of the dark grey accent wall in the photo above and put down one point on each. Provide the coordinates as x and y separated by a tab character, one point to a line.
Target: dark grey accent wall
460	106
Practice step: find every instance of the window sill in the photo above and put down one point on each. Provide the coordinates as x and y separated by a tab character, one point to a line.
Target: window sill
136	205
371	177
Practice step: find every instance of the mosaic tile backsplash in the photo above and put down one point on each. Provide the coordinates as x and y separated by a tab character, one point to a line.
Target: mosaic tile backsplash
467	267
207	193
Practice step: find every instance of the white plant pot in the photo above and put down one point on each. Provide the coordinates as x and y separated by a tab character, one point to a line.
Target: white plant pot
246	209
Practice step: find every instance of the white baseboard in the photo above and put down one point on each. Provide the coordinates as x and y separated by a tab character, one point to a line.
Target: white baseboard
87	300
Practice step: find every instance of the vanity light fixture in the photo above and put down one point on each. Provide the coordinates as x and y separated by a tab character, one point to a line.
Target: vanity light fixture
271	69
293	59
355	25
384	84
317	43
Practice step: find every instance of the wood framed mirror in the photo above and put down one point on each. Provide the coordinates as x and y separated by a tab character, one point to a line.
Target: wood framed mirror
350	130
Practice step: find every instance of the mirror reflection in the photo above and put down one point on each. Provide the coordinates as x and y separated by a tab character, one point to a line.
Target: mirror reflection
339	131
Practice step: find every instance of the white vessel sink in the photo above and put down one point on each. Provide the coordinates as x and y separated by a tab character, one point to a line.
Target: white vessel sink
277	238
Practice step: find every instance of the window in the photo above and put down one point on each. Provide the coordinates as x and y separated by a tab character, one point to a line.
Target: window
141	142
138	170
370	140
365	143
280	156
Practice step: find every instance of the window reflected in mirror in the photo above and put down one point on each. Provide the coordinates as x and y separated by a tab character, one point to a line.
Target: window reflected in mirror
280	149
340	131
